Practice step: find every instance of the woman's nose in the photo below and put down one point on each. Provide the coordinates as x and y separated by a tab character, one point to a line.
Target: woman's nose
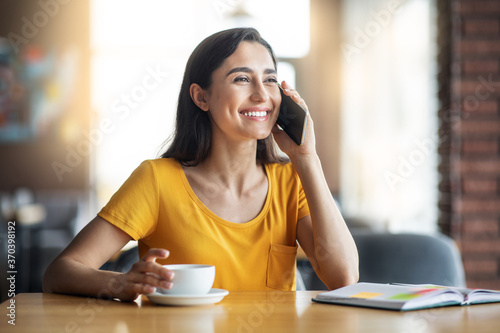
259	93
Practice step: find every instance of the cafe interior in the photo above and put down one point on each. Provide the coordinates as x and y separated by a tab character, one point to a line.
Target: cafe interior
404	95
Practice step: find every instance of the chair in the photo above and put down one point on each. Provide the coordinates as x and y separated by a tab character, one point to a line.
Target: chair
124	262
52	235
409	258
400	258
309	278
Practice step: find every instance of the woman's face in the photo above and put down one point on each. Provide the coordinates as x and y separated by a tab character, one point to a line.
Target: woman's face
244	98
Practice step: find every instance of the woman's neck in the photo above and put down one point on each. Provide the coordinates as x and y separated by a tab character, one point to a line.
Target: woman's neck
233	165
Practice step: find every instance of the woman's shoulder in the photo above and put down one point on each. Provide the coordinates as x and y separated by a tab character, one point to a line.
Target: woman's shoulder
162	162
281	170
284	179
158	166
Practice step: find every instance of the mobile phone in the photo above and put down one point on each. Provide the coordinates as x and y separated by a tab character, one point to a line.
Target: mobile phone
292	118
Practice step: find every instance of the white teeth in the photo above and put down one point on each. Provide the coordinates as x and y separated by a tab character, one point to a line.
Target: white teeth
255	114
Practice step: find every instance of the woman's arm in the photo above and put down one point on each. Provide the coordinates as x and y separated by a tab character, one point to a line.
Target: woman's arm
323	235
76	269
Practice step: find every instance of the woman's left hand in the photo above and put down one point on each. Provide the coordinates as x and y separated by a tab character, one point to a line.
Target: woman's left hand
286	144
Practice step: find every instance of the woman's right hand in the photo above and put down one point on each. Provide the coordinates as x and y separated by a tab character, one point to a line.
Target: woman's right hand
76	270
144	277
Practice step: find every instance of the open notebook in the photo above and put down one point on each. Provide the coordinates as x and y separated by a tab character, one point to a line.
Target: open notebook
405	297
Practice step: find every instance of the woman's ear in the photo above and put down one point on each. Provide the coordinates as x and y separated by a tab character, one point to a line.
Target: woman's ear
199	96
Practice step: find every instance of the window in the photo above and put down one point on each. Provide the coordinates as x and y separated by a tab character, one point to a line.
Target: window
389	112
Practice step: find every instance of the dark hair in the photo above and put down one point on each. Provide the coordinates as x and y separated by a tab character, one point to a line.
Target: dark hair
191	140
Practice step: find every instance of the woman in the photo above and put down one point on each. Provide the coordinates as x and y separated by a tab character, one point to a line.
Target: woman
220	194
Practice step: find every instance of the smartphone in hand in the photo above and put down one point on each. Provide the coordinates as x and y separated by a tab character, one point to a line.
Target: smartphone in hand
292	118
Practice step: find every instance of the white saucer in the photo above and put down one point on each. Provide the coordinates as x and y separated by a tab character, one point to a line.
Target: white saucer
213	296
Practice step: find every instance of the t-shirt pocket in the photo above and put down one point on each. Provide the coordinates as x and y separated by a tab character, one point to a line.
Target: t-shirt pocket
281	266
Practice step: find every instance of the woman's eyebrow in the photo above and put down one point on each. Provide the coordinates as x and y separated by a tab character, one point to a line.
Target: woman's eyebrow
249	70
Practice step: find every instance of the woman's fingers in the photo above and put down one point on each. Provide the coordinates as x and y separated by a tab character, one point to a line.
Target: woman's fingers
152	254
151	266
289	91
148	279
146	275
143	288
286	86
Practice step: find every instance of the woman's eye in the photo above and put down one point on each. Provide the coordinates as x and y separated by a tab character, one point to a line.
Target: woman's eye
272	79
241	79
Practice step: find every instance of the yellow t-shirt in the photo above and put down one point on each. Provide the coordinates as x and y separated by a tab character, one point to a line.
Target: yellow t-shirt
158	207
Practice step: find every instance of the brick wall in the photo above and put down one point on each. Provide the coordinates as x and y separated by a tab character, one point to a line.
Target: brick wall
469	80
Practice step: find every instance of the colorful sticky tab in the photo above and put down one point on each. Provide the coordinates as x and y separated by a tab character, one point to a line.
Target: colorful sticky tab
366	295
425	291
404	297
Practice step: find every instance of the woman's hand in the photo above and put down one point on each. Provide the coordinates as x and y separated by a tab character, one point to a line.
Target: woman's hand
286	144
76	270
145	276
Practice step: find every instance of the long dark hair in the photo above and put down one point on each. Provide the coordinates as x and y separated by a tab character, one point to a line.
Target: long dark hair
191	141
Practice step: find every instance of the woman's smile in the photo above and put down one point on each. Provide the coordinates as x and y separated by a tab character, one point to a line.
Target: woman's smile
256	113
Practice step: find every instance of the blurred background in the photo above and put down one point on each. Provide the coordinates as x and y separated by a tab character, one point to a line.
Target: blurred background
404	95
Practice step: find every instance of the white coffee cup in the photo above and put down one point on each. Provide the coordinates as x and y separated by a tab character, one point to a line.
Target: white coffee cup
190	279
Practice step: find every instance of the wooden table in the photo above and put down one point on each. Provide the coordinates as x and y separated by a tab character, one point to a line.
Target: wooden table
238	312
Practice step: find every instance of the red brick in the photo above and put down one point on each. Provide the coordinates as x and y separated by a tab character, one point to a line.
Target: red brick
483	186
478	47
467	206
480	146
480	127
491	7
485	266
480	226
481	27
480	246
472	209
480	66
482	88
491	166
478	108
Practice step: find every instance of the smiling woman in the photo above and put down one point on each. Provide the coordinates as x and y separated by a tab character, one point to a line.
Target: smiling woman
162	37
192	138
219	195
